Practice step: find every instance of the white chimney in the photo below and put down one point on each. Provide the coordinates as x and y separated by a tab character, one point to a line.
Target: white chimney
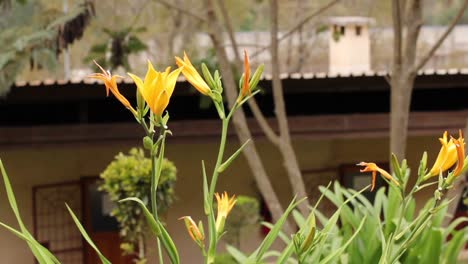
349	45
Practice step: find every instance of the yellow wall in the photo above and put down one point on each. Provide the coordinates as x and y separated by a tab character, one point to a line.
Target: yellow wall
28	167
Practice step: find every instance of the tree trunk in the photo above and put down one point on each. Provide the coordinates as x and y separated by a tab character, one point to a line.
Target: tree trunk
400	103
240	122
289	157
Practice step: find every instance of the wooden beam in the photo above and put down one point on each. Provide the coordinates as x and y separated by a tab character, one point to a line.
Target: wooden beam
308	127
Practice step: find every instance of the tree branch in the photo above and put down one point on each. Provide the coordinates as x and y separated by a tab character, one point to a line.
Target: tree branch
299	25
240	123
260	118
439	42
285	145
397	35
263	123
230	30
182	10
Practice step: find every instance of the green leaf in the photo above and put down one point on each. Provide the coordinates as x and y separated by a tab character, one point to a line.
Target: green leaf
135	45
454	246
281	234
208	77
85	235
396	167
393	205
256	77
206	204
453	225
236	254
228	162
158	229
34	246
342	248
422	166
300	220
287	252
431	251
271	237
49	258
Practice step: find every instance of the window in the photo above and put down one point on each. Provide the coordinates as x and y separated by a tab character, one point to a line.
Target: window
358	30
342	30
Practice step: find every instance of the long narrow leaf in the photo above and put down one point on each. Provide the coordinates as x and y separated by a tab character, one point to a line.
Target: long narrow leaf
454	246
270	238
44	251
342	248
88	239
228	162
39	254
158	229
236	254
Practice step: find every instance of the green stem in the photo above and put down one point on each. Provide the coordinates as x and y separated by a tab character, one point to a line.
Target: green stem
156	168
219	161
211	219
161	261
211	253
423	221
154	207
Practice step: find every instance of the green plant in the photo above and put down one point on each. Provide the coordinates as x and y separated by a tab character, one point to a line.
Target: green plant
387	230
34	36
130	176
115	51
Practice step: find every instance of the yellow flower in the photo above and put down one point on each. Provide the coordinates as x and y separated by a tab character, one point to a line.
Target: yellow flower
460	145
372	167
157	87
245	86
110	81
195	233
446	158
193	77
225	205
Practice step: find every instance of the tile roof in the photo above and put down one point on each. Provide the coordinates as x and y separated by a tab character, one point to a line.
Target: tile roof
283	76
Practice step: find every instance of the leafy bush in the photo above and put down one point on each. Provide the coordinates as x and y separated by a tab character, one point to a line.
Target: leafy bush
130	176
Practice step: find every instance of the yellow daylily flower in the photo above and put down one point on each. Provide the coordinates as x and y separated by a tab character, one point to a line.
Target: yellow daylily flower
446	158
195	233
225	205
245	86
372	167
460	145
110	81
157	87
193	77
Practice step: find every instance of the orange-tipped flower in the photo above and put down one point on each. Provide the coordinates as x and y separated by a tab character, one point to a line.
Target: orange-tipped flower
446	158
246	86
110	81
225	205
157	87
193	77
460	146
372	167
195	233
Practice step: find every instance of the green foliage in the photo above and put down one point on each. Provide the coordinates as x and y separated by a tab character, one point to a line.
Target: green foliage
42	254
33	36
114	51
386	230
130	176
225	259
244	214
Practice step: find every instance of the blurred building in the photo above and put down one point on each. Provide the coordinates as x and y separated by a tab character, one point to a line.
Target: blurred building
58	136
